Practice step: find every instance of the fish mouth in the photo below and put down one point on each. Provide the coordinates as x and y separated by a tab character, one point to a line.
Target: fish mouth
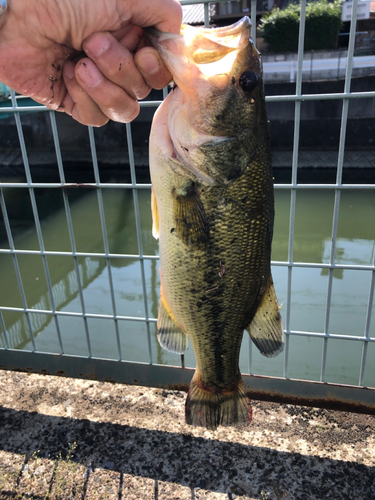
212	44
206	64
213	51
232	29
157	36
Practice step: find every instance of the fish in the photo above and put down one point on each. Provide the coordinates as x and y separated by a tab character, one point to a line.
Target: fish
213	212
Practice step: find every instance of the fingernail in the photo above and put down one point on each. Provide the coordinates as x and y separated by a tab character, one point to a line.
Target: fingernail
89	74
96	44
69	70
148	64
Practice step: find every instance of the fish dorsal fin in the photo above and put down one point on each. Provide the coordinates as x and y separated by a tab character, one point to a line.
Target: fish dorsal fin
266	327
170	335
155	216
191	223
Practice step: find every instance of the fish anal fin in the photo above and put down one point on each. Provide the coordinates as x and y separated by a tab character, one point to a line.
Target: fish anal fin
155	216
191	223
208	406
170	335
266	327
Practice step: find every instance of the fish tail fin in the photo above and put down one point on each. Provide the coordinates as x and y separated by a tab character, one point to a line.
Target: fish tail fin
208	406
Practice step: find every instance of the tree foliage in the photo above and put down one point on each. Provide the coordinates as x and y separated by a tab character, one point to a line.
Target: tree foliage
280	28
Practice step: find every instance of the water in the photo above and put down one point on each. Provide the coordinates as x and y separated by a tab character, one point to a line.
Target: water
313	227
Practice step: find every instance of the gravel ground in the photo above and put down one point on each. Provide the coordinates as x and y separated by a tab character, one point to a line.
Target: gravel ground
77	439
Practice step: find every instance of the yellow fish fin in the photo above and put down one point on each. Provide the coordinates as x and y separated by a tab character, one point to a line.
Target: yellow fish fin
170	335
266	327
155	216
191	223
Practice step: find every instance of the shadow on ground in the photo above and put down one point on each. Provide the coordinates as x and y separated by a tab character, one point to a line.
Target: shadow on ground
195	463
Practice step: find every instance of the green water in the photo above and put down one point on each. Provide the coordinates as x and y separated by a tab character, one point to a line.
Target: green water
312	243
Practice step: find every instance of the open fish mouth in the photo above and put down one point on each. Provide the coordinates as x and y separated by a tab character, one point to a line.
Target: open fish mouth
213	51
208	66
212	45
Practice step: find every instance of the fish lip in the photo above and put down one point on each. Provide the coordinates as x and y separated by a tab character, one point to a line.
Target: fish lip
236	27
156	35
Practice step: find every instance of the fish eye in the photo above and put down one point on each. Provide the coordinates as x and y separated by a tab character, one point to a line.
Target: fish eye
248	81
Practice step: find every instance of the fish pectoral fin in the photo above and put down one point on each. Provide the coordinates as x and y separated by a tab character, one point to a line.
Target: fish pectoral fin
266	327
191	223
170	335
155	216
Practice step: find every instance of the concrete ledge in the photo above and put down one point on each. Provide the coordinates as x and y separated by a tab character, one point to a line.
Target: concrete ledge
81	439
322	395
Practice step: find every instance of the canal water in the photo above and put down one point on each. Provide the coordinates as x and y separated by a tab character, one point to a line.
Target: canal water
312	243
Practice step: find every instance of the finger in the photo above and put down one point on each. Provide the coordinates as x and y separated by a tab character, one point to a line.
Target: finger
132	38
77	103
165	15
110	98
152	67
116	62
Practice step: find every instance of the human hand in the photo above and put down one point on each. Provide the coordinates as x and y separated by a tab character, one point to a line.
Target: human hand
41	39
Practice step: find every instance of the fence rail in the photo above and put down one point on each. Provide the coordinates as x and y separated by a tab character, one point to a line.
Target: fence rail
263	386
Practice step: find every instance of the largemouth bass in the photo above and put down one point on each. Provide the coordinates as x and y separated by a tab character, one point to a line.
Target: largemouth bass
213	211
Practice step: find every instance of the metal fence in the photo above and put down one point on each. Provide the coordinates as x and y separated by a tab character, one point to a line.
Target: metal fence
282	388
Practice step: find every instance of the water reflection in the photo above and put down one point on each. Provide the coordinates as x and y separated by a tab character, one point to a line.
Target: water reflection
312	243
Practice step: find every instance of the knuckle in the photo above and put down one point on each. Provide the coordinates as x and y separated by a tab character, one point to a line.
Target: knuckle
142	92
89	115
118	64
127	114
110	99
100	122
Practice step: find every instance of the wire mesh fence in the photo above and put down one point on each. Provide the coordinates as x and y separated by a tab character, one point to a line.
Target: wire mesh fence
62	330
